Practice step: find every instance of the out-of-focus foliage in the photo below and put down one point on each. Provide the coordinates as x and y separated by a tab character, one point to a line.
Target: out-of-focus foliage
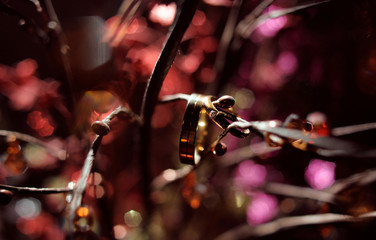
317	62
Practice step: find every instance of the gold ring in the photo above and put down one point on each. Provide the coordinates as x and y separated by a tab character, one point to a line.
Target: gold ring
201	108
194	128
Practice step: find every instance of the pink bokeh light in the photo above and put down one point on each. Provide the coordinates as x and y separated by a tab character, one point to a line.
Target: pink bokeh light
267	76
250	175
320	174
26	68
39	123
287	62
273	75
199	18
163	14
272	26
262	208
191	62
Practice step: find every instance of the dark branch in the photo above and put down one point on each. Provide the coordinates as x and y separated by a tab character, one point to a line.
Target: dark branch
182	20
80	188
224	43
56	152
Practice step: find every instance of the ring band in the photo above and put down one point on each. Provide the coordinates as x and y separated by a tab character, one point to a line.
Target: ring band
193	129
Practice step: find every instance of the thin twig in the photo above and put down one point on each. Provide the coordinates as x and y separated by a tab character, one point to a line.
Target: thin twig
358	179
29	190
241	154
127	12
54	151
63	47
128	113
224	43
121	110
82	180
248	20
340	131
298	192
246	27
324	146
81	185
247	152
246	231
170	175
182	20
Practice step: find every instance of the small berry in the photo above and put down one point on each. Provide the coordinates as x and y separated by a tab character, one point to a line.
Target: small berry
307	126
220	149
100	128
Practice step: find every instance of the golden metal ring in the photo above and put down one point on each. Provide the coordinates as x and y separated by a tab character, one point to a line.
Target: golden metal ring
194	128
201	108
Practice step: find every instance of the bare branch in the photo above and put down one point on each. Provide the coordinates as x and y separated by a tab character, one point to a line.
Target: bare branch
298	192
254	150
251	18
170	175
63	47
246	27
224	43
28	190
80	188
325	146
246	231
241	154
359	179
340	131
127	12
56	152
182	20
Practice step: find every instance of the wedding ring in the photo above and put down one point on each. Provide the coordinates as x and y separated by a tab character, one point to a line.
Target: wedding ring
201	108
194	129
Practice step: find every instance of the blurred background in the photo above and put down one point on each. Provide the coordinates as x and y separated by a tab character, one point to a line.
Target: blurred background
66	64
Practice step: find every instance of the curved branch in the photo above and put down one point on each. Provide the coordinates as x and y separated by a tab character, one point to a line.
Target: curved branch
80	188
56	152
182	20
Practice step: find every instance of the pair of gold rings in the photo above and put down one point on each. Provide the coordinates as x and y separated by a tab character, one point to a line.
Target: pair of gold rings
201	108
